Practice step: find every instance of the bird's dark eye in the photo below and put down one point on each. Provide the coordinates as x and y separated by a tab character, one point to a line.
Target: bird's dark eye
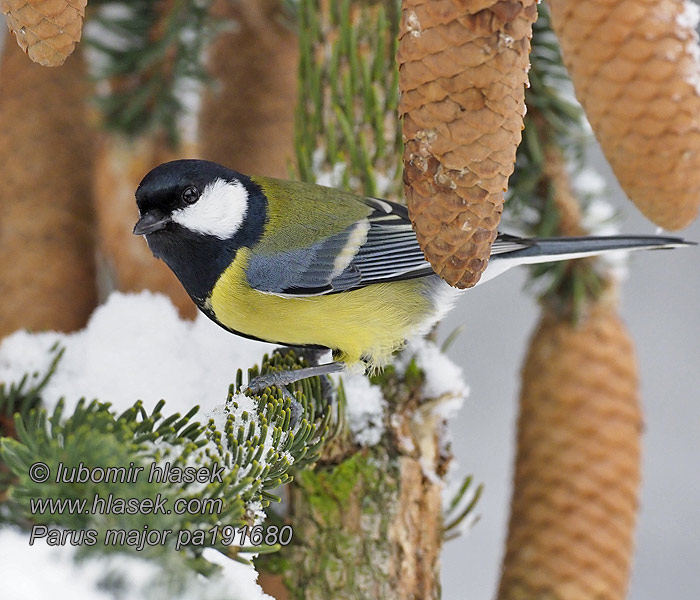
190	195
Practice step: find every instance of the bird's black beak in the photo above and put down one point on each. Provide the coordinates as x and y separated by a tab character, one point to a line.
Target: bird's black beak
153	220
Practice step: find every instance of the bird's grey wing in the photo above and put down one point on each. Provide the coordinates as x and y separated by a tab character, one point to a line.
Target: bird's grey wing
309	271
391	251
381	247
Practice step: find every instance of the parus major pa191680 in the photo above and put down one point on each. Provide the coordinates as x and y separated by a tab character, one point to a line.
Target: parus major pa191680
305	265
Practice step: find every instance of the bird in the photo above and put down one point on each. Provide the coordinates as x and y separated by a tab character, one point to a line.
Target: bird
299	264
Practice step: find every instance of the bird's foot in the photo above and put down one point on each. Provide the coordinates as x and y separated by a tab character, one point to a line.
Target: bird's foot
257	386
281	379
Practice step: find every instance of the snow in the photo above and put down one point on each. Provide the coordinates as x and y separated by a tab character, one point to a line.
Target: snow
413	24
690	17
135	346
94	29
365	409
687	22
384	182
599	219
444	380
64	579
188	91
332	177
588	182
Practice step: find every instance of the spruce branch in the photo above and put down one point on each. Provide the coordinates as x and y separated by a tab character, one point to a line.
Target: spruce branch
146	57
541	195
346	131
252	438
460	510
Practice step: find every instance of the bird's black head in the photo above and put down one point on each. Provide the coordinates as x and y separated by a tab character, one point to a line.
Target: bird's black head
195	214
196	194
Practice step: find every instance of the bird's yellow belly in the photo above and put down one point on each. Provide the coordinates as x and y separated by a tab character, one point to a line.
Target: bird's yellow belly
368	323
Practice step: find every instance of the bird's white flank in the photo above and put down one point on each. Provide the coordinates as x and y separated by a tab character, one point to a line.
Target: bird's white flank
220	210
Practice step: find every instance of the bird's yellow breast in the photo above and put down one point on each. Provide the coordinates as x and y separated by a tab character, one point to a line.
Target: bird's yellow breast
367	323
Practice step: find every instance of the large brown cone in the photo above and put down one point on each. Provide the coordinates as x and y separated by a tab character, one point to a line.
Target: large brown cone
577	469
47	273
47	30
120	166
635	69
463	67
248	116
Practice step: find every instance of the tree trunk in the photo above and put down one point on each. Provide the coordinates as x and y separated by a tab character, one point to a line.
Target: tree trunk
368	523
121	164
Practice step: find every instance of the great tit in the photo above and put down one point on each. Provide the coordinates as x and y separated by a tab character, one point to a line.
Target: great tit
300	264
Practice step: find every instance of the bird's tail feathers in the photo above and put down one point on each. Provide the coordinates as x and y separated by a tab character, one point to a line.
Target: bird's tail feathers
555	249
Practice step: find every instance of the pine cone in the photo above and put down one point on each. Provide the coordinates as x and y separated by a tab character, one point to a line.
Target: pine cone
634	64
577	469
248	117
47	277
463	67
47	30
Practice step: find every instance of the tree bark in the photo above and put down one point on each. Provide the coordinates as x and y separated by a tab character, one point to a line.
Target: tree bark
368	524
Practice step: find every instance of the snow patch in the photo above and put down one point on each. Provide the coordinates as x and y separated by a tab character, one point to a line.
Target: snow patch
64	579
690	17
135	346
365	409
687	22
444	379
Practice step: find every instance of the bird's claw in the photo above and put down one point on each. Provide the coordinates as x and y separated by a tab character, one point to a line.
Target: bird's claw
257	385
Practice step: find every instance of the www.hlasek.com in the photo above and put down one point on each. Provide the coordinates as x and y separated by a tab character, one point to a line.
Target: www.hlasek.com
138	539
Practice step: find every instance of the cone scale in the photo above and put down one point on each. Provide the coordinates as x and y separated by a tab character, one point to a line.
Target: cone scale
47	30
577	470
462	71
636	71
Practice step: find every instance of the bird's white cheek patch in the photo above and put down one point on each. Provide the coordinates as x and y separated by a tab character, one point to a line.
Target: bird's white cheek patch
219	211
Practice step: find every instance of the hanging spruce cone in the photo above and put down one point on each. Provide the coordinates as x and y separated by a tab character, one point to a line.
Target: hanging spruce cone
248	116
47	30
577	469
47	273
463	67
636	72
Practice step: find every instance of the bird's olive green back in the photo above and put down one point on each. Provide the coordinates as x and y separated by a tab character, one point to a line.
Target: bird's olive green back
291	202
